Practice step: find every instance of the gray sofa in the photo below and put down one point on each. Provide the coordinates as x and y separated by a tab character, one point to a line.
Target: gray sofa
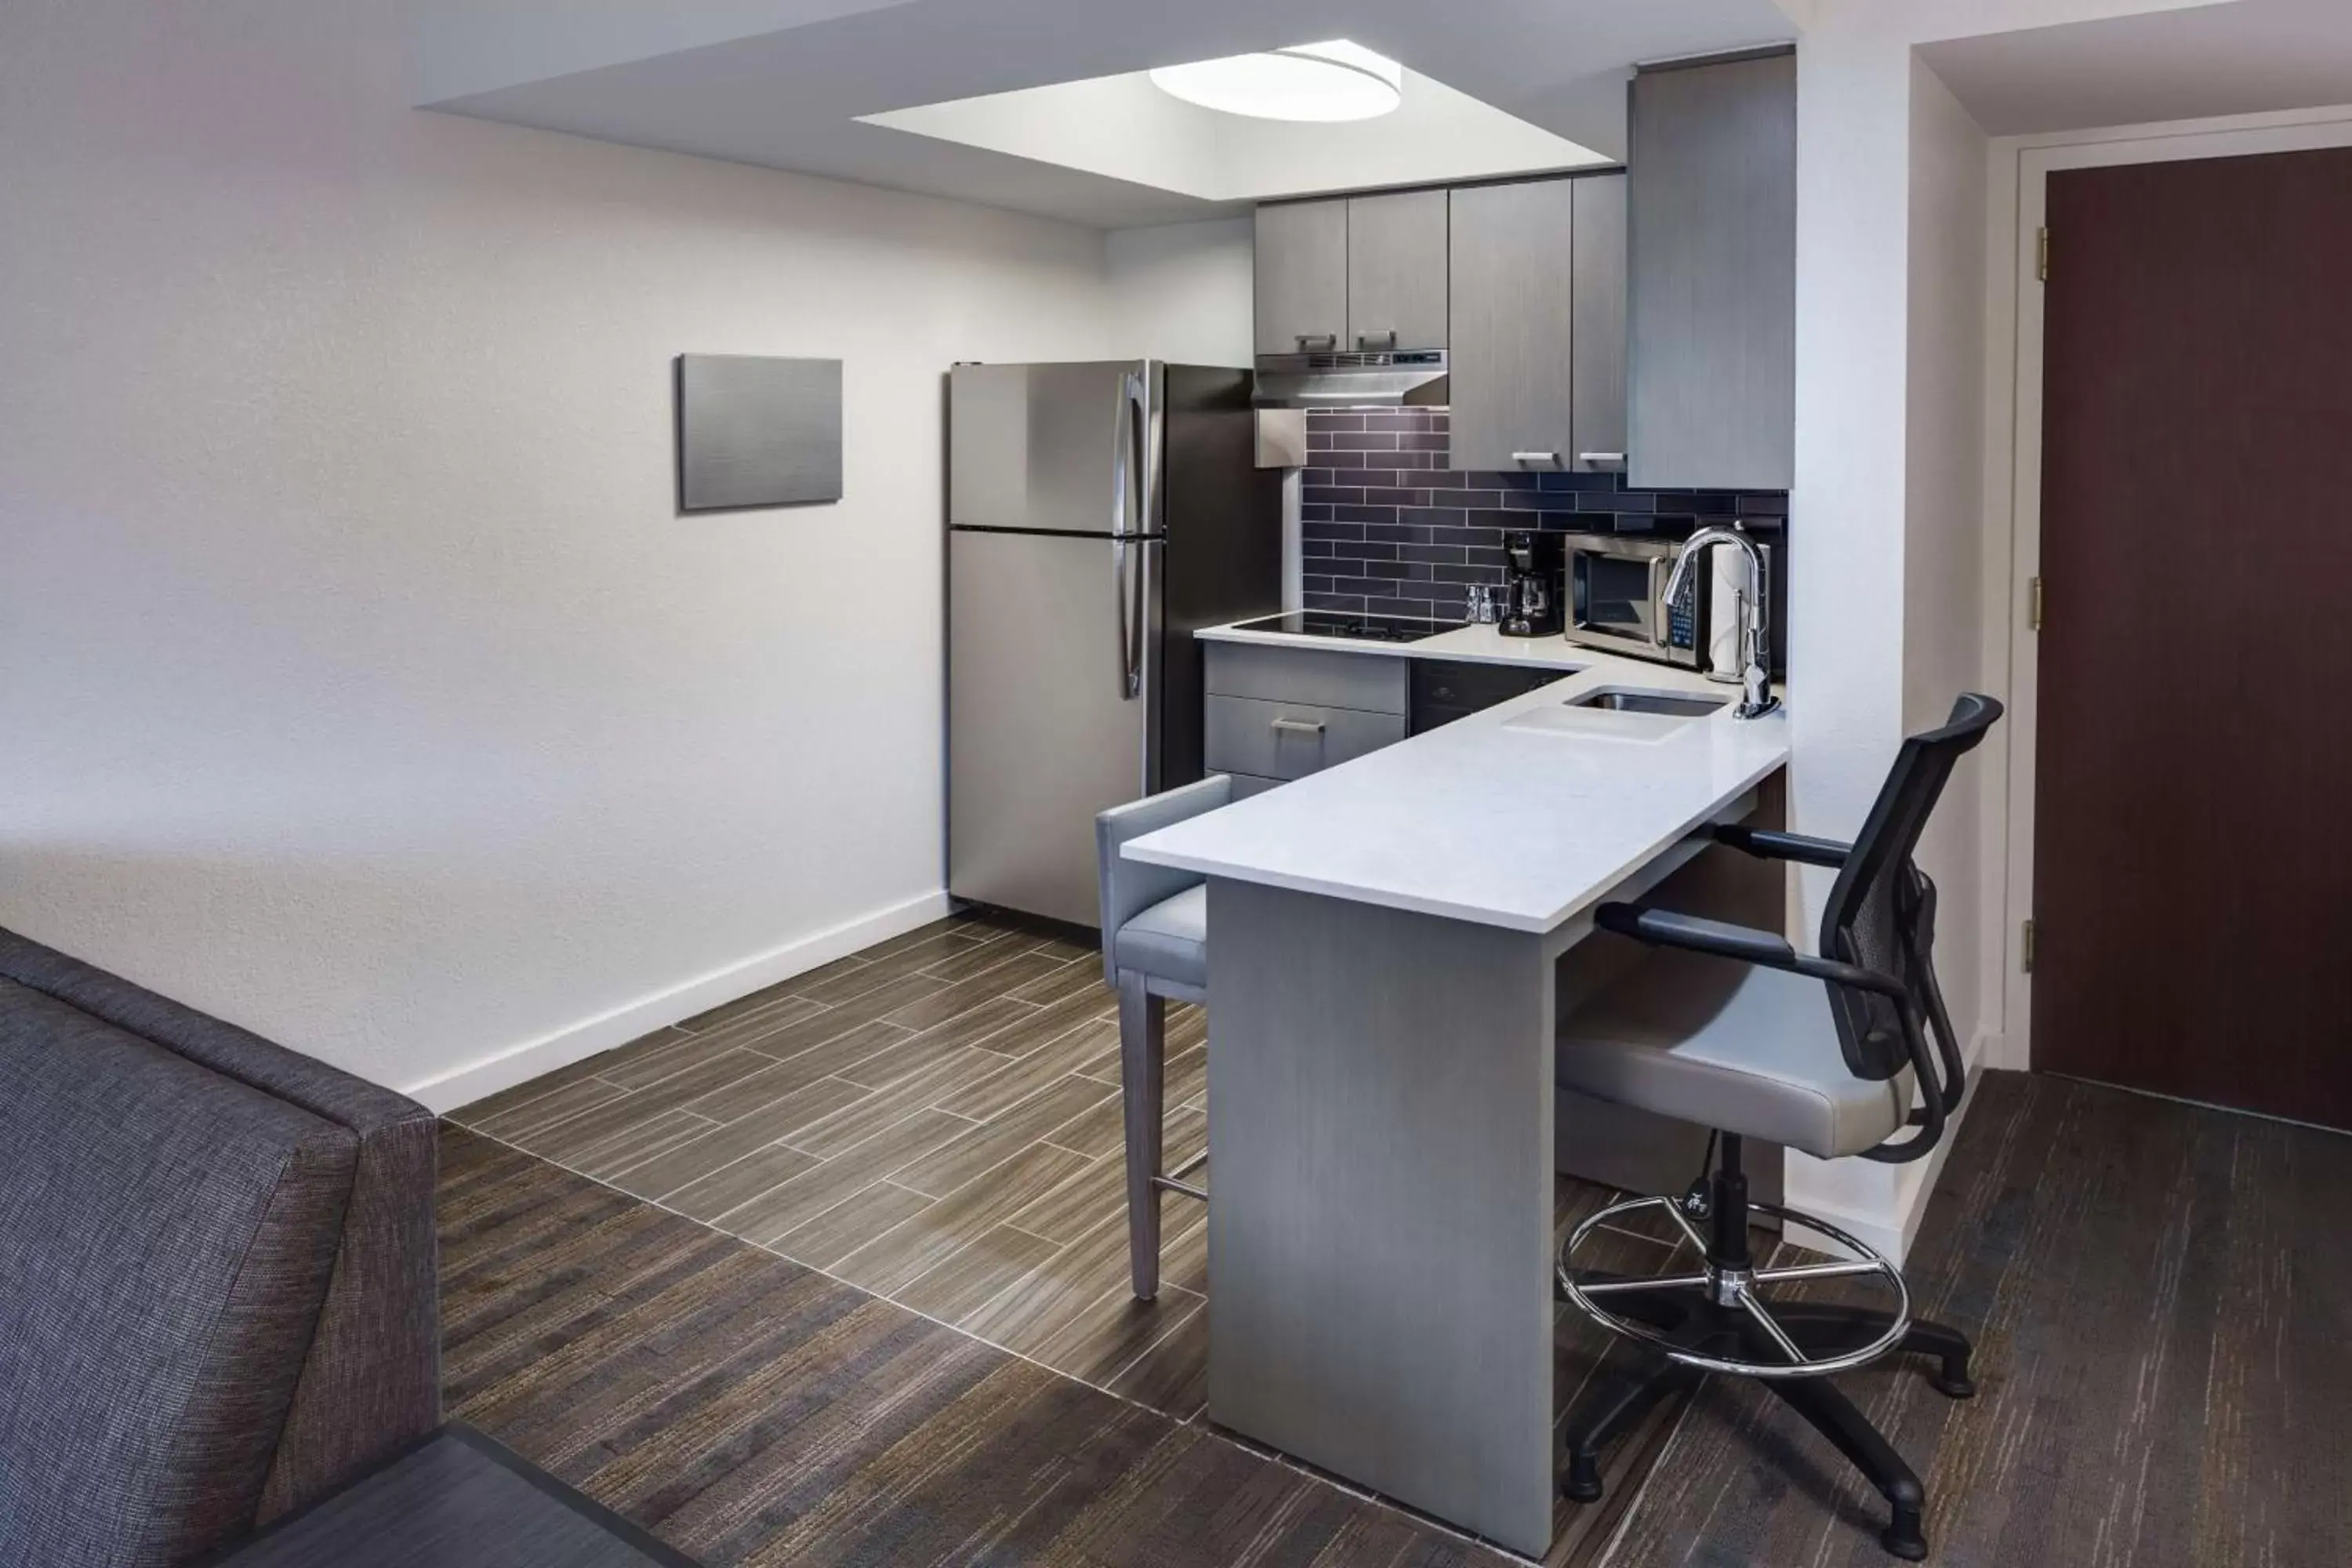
218	1273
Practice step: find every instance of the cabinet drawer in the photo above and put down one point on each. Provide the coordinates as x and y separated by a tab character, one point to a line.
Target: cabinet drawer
1290	739
1371	683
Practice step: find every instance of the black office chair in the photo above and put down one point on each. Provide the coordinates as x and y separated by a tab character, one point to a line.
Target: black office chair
1824	1054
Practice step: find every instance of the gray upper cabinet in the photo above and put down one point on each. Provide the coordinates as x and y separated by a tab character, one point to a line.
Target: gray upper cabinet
1302	277
1713	236
1597	366
1511	368
1537	368
1396	271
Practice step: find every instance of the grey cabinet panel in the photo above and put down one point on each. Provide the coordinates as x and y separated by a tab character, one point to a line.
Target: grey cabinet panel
1712	226
1371	683
1291	740
1396	271
1248	784
1510	367
1597	363
1302	277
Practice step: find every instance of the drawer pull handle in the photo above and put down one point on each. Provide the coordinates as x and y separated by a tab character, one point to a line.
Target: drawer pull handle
1298	726
1600	457
1535	457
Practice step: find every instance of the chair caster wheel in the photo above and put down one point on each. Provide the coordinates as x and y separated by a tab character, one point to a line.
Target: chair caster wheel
1583	1482
1904	1538
1953	1387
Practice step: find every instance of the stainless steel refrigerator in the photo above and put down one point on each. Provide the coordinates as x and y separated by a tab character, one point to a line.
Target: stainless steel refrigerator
1098	515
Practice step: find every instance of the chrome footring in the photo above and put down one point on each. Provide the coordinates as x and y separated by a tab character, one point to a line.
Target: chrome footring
1737	1289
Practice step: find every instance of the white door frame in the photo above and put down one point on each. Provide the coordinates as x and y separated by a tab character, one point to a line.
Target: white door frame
2018	200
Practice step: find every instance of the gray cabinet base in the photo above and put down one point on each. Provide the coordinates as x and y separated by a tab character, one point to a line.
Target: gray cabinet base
1381	1133
1383	1130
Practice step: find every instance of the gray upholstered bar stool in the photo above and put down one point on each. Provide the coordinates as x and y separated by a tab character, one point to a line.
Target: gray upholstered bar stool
1733	1029
1155	942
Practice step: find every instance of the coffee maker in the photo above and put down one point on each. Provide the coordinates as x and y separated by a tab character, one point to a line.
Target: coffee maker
1531	594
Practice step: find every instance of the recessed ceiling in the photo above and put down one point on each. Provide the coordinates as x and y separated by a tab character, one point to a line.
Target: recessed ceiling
1125	127
816	85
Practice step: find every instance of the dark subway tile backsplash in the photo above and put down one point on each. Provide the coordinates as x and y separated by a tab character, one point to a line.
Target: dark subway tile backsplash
1386	529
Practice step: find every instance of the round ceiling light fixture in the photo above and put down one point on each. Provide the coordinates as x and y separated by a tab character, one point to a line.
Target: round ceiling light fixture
1332	81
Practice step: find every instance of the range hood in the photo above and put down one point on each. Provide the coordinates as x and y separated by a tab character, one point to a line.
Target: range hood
1409	378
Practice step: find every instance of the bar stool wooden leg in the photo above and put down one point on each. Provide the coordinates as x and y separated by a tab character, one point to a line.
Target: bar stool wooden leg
1142	1073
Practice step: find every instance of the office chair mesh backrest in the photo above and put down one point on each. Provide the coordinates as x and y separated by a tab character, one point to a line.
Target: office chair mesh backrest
1878	910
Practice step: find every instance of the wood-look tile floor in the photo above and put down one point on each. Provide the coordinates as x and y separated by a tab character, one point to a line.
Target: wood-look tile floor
2161	1308
937	1121
756	1414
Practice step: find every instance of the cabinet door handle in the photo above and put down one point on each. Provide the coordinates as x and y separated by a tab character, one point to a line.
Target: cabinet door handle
1364	339
1600	457
1298	726
1535	457
1307	340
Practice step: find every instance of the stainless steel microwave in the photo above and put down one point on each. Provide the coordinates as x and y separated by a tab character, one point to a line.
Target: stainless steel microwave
1617	599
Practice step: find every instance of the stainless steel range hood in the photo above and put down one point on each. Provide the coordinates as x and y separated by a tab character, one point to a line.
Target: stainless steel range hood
1412	378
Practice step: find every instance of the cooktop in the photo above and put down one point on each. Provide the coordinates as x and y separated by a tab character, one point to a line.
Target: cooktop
1362	628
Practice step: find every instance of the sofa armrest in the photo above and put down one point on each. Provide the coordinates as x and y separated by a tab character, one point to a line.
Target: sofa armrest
371	1383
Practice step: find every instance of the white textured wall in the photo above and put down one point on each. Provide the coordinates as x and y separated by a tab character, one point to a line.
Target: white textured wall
1846	587
1944	511
1886	607
1183	292
1885	615
358	681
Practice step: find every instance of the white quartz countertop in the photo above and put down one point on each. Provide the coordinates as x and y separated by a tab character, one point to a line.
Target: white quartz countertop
1473	644
1523	815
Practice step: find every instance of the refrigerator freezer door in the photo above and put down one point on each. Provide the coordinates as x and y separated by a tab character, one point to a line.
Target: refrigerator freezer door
1056	448
1050	717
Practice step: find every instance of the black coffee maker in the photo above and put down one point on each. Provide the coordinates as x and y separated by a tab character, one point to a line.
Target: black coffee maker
1531	595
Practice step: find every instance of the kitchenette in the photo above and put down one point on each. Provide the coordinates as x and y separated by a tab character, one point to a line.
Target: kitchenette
1473	588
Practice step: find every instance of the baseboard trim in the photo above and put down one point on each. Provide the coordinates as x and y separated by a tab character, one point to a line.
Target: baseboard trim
1893	1232
575	1042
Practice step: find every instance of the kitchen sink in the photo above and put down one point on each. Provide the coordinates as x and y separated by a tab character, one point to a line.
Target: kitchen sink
1665	704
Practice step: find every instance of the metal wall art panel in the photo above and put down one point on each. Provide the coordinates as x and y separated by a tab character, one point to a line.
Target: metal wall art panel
755	432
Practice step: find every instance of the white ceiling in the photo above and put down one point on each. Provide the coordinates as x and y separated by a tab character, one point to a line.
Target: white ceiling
788	83
1125	127
2243	57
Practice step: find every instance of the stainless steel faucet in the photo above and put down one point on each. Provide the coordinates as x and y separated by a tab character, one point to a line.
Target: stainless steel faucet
1756	698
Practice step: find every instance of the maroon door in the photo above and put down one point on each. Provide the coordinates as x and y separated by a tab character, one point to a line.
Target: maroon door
2193	822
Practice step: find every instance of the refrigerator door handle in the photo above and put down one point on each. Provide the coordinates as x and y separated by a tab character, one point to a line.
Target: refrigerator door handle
1134	464
1127	591
1129	577
1140	662
1122	457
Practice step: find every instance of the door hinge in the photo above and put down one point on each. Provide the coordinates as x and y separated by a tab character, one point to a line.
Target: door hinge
2033	604
2042	254
2025	948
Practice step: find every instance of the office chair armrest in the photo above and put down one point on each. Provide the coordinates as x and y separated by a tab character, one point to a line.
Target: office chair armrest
1721	938
1664	927
1769	844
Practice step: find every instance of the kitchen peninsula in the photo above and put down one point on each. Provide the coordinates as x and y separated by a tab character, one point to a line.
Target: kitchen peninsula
1393	939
